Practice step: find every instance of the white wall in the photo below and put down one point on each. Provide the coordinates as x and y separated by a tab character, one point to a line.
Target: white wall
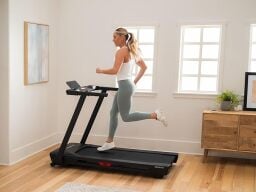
4	75
85	42
33	108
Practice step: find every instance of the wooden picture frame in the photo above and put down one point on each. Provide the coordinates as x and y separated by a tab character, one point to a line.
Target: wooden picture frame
250	91
36	53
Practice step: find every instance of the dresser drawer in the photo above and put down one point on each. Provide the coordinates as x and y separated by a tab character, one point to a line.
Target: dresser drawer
220	131
247	135
248	120
222	119
247	138
220	142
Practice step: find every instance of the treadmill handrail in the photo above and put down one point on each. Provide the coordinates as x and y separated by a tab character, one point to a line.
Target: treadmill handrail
91	90
106	88
87	93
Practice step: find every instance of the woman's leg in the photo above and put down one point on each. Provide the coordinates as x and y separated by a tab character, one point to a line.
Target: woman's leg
109	144
122	104
113	119
124	100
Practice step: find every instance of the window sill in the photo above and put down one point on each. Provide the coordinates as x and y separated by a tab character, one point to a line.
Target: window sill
195	95
145	94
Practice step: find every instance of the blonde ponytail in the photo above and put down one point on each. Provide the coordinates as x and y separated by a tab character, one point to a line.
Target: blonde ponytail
131	42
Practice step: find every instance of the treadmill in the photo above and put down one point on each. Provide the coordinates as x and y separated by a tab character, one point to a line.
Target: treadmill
152	163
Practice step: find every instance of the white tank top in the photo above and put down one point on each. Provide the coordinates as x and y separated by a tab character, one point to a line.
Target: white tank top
125	71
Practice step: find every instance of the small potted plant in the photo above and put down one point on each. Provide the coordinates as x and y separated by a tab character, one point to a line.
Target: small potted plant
228	100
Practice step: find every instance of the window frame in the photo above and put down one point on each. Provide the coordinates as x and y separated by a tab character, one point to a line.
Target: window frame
143	92
201	26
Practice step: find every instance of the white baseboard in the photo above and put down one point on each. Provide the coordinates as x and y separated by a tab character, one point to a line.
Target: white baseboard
27	150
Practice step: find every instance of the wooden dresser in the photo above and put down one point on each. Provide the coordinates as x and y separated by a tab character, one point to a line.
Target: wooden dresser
228	131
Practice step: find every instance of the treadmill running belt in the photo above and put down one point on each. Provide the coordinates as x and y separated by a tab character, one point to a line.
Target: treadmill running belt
126	155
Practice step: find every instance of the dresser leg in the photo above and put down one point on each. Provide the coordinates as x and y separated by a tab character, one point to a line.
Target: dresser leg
205	155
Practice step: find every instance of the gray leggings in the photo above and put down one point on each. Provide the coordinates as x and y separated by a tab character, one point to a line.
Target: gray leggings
122	103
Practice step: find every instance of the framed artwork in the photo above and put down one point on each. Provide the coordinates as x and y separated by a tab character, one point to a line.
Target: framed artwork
36	53
250	92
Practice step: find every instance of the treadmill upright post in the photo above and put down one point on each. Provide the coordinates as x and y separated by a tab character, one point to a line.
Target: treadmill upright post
92	118
70	128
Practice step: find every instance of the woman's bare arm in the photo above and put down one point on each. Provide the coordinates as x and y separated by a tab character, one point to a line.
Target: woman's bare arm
119	59
143	68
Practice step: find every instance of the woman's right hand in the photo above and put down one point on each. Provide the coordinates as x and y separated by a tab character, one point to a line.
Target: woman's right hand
98	70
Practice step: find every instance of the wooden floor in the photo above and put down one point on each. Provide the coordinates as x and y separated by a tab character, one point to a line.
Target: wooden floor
188	175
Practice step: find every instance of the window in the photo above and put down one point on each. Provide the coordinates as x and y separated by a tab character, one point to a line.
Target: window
199	58
146	40
252	57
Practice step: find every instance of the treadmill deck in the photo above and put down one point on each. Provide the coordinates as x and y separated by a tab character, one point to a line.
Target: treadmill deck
124	155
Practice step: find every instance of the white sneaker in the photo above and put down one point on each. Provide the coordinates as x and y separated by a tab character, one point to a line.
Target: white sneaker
106	146
161	117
